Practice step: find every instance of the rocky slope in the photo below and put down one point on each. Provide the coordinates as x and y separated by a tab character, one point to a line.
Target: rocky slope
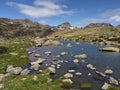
10	28
100	33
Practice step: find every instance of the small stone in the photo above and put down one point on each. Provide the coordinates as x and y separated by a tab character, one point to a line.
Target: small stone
67	81
14	53
100	74
63	53
52	70
83	61
40	71
25	72
71	71
90	66
37	55
81	56
35	66
68	75
76	61
23	79
48	53
89	74
35	78
108	72
69	45
78	73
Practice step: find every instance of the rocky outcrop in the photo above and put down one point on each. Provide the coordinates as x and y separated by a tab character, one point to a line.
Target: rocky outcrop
64	26
101	25
10	28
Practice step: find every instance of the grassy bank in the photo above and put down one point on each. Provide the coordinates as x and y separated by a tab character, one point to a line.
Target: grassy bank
16	53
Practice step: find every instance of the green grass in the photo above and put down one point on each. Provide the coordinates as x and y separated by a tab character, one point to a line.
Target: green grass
17	45
113	88
14	82
86	86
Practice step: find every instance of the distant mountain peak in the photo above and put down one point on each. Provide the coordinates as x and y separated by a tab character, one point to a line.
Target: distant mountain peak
92	25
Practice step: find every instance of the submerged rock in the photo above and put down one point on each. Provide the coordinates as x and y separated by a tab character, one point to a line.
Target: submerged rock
105	86
68	45
110	49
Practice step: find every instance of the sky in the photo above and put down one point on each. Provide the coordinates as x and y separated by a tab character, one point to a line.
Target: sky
54	12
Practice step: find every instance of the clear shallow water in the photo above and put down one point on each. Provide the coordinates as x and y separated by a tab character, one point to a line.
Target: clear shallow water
100	60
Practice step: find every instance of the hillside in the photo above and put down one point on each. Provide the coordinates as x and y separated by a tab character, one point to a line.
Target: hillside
94	33
10	28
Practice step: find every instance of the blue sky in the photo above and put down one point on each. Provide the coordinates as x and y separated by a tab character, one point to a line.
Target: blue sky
53	12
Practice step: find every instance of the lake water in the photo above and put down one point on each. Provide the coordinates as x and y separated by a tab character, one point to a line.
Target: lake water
101	60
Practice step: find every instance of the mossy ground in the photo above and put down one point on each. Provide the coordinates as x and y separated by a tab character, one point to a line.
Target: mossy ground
15	82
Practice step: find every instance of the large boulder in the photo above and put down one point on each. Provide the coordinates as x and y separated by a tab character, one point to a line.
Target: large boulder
110	49
13	70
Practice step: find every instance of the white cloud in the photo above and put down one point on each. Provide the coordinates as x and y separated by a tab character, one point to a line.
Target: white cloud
41	8
109	16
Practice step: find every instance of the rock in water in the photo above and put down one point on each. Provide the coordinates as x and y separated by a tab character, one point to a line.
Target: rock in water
67	81
108	72
81	56
110	49
113	81
63	53
76	61
52	70
100	73
25	72
105	86
68	75
69	45
90	66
